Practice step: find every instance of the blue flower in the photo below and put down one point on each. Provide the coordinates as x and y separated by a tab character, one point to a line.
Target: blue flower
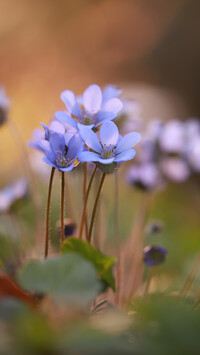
69	228
93	108
12	193
110	148
59	154
154	255
39	134
4	106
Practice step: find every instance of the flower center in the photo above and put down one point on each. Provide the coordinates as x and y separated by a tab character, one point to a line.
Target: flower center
108	151
87	121
62	160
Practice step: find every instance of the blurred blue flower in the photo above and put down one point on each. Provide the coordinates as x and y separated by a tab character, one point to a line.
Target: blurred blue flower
12	193
93	108
172	137
145	176
59	154
154	255
69	228
110	147
154	227
4	105
175	169
37	136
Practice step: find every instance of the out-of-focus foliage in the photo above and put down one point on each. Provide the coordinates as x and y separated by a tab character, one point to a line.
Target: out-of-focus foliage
68	278
102	263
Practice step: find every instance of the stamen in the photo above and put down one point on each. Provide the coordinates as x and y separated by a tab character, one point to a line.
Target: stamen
87	121
62	160
108	151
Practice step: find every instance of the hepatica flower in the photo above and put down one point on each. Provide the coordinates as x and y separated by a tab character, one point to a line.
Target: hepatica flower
93	108
109	149
60	155
154	255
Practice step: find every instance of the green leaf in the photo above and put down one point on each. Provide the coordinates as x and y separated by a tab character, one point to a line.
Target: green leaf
102	263
68	278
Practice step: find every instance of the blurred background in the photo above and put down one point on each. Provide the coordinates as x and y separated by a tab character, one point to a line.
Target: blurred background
150	48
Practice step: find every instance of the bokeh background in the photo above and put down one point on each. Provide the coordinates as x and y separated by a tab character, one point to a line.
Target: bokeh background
150	48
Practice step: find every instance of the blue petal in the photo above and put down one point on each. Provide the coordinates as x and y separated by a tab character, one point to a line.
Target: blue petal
69	134
46	128
92	99
109	92
80	126
75	146
88	156
34	145
46	160
69	168
69	99
63	117
57	143
108	133
90	139
45	146
113	105
77	112
38	135
128	142
56	126
126	155
104	116
106	161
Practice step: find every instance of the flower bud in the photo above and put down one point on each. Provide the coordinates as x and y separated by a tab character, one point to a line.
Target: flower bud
154	255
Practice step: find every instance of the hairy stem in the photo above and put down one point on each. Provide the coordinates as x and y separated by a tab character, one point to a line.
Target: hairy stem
84	197
95	207
48	213
85	203
62	207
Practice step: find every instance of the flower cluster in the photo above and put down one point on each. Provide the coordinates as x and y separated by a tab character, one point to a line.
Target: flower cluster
169	151
74	135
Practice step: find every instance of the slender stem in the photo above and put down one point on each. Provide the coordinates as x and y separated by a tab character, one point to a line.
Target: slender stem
151	272
85	203
117	239
84	197
62	207
48	213
69	199
95	207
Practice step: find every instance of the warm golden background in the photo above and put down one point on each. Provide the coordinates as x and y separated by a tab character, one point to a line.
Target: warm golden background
150	47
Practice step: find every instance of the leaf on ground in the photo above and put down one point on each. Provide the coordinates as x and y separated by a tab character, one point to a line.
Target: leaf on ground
68	278
102	262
